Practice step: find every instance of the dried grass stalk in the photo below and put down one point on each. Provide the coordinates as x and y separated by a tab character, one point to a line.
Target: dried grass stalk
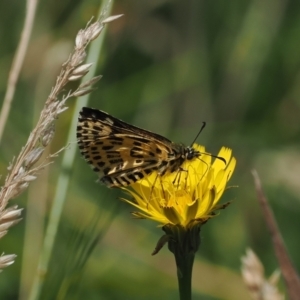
24	169
259	287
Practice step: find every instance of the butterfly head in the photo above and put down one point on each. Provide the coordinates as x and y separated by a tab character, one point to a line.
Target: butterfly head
191	153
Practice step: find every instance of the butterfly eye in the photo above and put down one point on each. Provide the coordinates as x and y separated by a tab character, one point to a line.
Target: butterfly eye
191	153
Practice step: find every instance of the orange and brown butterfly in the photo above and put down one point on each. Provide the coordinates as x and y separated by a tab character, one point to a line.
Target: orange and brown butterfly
122	153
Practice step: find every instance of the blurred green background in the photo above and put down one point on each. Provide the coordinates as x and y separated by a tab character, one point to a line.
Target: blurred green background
167	66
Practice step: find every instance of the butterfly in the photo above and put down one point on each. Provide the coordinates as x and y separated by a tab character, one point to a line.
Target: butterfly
122	153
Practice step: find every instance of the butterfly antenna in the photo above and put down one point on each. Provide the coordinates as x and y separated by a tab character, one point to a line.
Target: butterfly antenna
214	156
202	127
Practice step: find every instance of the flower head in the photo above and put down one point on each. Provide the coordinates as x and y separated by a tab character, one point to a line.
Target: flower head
187	197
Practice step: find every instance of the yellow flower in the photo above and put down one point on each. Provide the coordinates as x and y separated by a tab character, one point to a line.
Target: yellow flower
187	197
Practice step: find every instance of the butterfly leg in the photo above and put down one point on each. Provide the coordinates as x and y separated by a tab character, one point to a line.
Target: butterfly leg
161	185
207	167
177	178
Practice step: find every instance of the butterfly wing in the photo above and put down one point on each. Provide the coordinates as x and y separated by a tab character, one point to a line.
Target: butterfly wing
119	152
105	118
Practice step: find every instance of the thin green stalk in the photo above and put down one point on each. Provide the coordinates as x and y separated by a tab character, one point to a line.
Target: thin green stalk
64	177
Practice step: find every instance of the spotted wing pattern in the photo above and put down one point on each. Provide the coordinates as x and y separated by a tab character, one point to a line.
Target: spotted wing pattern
121	153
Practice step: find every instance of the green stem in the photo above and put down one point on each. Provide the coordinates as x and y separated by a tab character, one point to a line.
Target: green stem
184	243
184	274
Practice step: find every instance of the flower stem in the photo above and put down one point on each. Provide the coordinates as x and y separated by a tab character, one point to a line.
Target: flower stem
184	274
184	243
